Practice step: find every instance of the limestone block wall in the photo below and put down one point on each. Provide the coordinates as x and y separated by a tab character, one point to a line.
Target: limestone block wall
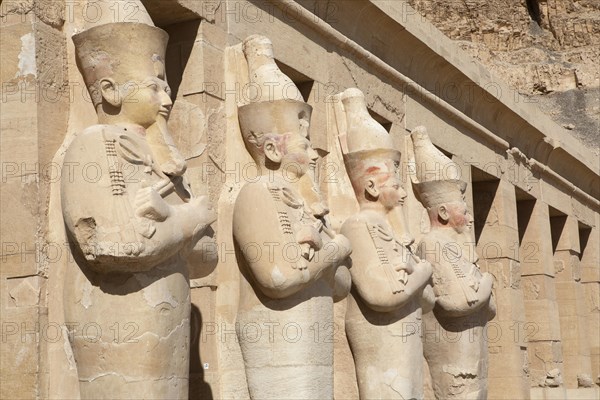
33	118
534	189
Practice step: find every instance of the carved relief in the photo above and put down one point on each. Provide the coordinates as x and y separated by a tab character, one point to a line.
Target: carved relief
286	284
383	320
129	226
457	353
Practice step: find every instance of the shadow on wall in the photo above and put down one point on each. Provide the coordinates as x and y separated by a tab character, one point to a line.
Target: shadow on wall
199	388
181	42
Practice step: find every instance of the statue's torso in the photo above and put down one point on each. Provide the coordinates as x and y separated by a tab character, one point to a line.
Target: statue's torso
122	316
455	346
387	346
287	343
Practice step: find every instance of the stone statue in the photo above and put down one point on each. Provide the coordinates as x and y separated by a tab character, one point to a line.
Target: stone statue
455	346
285	250
130	218
383	319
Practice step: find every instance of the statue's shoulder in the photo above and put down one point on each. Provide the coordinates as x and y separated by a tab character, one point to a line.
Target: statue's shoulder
370	221
265	192
256	199
356	221
106	141
94	135
435	236
361	227
431	243
253	190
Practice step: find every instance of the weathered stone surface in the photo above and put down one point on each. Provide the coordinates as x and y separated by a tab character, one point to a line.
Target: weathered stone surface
544	315
463	294
548	50
411	74
388	279
129	225
289	292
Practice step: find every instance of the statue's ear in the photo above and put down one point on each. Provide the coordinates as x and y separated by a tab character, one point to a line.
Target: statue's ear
371	189
110	92
272	151
443	213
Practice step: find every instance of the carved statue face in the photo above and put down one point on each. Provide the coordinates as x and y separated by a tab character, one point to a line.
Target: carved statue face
456	216
384	185
392	194
293	153
140	102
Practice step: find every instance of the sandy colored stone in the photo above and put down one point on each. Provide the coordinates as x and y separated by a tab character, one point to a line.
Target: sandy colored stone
384	313
546	50
463	293
410	73
291	294
126	235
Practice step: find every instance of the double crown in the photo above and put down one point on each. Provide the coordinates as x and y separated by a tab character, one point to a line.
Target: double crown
124	51
437	177
276	105
367	147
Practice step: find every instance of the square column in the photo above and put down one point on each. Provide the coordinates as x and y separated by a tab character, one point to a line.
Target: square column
495	205
541	309
571	301
590	280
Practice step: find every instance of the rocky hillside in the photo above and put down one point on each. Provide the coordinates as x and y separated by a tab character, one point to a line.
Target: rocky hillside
547	49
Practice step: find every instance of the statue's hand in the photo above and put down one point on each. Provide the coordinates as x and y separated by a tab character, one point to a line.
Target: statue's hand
150	205
405	266
400	265
310	241
485	286
202	213
343	248
474	277
422	270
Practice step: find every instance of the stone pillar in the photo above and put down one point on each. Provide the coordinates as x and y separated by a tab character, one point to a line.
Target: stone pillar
33	117
590	280
541	309
507	378
570	296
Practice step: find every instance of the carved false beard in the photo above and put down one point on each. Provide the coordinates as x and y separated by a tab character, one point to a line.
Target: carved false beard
312	195
167	156
464	241
397	220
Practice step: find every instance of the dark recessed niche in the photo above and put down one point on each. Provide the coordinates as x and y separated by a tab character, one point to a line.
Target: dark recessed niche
485	187
584	237
182	37
387	125
557	224
525	206
303	82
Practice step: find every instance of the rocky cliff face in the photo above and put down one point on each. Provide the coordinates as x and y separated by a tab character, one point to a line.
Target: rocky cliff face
548	50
